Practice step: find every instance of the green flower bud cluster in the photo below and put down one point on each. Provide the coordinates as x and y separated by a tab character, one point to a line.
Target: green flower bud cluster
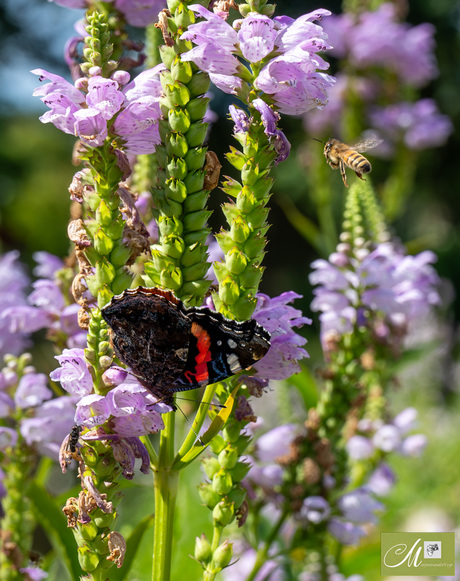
98	353
17	462
179	259
223	494
364	222
92	536
244	243
259	6
105	226
98	47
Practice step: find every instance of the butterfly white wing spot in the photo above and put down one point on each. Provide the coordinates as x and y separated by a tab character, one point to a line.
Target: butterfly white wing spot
233	363
232	344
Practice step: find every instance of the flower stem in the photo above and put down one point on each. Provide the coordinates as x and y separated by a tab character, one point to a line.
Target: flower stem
263	552
166	482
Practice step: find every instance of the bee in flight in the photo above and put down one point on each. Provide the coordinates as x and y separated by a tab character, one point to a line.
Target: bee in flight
339	155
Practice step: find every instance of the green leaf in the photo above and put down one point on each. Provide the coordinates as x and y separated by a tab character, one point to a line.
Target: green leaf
51	518
306	386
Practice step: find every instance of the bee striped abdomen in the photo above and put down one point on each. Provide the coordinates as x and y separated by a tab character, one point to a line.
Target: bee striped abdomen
357	162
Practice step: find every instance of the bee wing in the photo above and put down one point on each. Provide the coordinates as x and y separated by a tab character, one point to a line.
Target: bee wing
367	143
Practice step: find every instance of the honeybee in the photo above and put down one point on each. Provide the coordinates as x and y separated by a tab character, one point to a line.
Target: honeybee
339	155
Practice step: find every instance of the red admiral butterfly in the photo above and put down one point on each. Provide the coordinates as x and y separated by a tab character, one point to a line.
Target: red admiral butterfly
170	347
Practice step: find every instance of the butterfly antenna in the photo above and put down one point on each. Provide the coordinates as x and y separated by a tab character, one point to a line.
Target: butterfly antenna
190	426
216	405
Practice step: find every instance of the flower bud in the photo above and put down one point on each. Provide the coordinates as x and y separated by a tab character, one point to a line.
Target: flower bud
240	471
104	520
246	201
195	272
179	120
176	144
218	444
199	84
255	246
203	550
243	442
122	281
262	188
250	174
197	108
177	95
177	168
196	201
208	495
197	133
88	559
229	291
223	513
195	158
239	230
196	220
115	230
211	466
105	272
195	288
236	261
244	306
171	279
232	431
193	255
236	158
228	457
250	278
256	218
102	243
181	71
176	190
173	246
195	181
225	241
104	214
223	555
236	496
89	531
222	482
120	254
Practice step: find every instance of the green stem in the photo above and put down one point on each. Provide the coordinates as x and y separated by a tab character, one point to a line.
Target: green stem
263	552
166	483
210	574
197	424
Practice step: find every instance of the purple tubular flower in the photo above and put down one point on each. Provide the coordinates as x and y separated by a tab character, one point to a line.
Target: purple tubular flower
413	445
47	264
359	448
377	38
8	438
275	443
240	119
13	284
50	424
32	390
381	480
358	506
135	109
34	573
140	12
385	282
345	532
73	374
279	318
256	37
315	509
419	124
387	438
92	411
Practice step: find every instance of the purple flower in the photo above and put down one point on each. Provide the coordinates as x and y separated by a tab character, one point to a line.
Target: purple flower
34	573
359	448
381	480
32	390
359	506
413	445
406	420
377	38
13	284
140	12
289	79
73	373
8	438
47	264
345	532
275	443
279	318
92	411
315	509
135	109
51	422
419	125
246	559
383	283
387	438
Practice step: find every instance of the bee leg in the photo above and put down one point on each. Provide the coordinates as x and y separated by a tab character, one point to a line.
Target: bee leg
360	175
344	175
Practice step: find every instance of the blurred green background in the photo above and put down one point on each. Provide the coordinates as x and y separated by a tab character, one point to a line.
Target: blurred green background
35	171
